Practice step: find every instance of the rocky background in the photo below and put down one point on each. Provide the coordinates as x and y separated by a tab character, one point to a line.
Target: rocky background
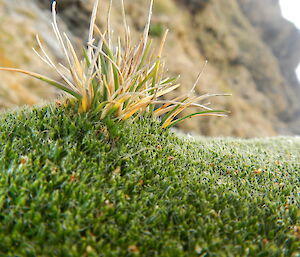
252	53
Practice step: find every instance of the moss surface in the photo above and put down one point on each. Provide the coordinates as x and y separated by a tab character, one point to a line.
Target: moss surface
71	185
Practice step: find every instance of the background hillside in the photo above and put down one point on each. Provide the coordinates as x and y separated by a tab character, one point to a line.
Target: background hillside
252	53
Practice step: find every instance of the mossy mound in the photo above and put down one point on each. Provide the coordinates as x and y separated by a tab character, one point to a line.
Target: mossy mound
71	185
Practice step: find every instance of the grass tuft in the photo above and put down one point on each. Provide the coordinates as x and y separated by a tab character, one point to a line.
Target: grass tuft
118	78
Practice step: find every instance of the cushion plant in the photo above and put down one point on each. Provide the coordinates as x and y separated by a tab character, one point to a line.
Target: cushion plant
71	185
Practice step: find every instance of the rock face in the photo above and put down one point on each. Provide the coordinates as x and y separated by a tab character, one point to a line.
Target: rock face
20	22
283	38
252	53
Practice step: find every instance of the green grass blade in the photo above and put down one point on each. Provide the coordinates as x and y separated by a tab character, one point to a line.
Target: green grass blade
45	79
116	78
86	58
145	55
154	81
169	114
104	70
169	81
147	78
209	112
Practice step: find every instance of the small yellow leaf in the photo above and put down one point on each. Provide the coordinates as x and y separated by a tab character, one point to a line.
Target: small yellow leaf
133	249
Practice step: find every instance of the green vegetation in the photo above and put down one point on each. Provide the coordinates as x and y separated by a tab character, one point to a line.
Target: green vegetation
156	29
71	185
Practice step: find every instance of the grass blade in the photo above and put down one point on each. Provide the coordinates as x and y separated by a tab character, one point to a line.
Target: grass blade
45	79
203	113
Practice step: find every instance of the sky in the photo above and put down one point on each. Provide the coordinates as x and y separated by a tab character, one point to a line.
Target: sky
291	11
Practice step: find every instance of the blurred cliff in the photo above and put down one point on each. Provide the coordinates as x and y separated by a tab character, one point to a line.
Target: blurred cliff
252	53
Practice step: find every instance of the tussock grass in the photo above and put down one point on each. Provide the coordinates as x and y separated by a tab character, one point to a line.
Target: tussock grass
71	185
118	78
